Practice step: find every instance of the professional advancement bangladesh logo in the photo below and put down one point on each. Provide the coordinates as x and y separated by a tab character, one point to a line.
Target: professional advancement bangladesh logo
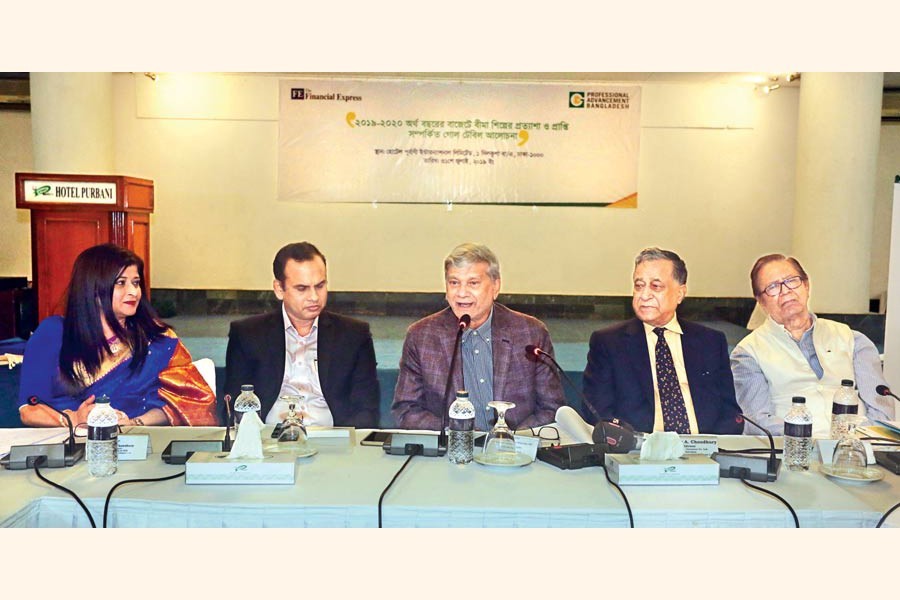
576	99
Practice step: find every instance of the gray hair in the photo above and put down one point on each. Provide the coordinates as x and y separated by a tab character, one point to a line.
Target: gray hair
469	253
679	269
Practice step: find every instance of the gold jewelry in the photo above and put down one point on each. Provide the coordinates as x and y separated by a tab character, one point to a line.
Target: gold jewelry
138	422
62	421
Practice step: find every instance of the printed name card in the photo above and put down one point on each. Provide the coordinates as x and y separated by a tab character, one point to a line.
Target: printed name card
133	446
700	444
527	445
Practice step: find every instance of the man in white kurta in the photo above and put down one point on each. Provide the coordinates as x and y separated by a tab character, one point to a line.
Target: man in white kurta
795	353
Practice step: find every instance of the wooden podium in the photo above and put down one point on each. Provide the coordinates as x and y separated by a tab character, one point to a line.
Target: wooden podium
70	213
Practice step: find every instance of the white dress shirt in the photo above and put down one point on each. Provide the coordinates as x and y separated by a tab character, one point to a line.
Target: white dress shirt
301	377
673	339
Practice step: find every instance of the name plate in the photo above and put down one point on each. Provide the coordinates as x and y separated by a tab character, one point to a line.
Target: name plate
700	444
133	446
527	445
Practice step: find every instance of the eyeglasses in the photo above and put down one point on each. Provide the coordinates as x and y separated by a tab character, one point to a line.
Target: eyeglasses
548	434
791	283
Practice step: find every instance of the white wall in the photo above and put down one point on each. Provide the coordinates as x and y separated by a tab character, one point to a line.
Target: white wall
888	168
719	196
15	225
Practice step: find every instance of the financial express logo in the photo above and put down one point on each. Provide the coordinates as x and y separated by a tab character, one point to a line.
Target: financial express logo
308	94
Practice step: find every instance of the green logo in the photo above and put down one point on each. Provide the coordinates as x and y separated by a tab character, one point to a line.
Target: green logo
576	99
44	190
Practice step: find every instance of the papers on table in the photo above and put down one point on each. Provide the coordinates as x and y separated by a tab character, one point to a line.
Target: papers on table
884	429
30	435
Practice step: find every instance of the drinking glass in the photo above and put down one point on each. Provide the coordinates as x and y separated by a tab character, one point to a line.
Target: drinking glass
293	433
849	457
500	445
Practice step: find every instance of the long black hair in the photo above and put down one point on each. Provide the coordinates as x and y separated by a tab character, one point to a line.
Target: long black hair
90	295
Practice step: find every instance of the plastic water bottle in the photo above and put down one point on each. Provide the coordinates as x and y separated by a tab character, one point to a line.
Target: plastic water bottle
102	439
846	402
798	442
461	445
245	402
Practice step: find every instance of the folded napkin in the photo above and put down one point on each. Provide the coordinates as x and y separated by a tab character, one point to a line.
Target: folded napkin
662	445
248	443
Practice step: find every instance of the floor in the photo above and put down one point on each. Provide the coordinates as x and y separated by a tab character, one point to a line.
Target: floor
207	336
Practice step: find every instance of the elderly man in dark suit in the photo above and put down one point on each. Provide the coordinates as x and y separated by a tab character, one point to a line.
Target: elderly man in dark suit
493	362
657	372
304	350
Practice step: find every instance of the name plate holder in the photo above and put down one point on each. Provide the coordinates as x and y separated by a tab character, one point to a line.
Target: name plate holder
133	446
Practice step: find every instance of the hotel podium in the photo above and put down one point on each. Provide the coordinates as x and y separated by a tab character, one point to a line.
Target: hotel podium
70	213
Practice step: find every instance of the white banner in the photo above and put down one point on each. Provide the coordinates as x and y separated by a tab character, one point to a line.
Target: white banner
457	142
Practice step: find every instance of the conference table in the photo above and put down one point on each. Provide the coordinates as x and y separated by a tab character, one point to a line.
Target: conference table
340	487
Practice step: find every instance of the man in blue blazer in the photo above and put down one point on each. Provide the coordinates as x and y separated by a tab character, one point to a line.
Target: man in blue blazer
658	373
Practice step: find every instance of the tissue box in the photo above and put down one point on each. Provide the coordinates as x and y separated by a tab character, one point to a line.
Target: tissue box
217	468
690	469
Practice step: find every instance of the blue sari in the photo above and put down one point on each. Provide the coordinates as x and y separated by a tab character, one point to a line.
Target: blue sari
167	380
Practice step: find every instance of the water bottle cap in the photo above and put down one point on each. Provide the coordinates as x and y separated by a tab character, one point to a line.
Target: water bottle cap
246	388
104	399
798	400
462	394
847	382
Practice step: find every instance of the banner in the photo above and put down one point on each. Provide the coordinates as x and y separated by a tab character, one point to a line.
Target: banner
457	142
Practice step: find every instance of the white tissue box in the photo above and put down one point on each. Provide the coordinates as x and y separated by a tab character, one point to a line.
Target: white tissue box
690	469
217	468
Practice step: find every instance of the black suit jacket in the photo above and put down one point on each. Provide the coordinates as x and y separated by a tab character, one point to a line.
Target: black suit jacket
346	364
618	381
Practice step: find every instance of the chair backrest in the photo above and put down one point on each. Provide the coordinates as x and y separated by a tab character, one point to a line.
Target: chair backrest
207	370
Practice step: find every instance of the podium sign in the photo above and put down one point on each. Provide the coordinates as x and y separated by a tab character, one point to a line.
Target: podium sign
74	192
70	213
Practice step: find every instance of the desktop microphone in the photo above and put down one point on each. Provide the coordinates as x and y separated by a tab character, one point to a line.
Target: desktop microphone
534	353
410	444
226	443
63	454
617	437
70	443
883	390
754	468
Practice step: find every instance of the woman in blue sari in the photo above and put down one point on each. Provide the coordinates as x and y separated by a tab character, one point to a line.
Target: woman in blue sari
112	343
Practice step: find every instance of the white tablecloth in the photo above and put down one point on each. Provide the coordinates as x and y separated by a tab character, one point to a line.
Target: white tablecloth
340	486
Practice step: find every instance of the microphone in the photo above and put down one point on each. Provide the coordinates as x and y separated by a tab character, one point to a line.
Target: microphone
70	443
63	454
461	326
883	390
226	443
534	353
617	437
753	468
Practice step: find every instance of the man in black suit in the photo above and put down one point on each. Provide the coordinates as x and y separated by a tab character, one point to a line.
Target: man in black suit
304	350
656	372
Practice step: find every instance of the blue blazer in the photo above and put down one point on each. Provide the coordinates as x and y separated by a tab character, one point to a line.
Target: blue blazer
618	381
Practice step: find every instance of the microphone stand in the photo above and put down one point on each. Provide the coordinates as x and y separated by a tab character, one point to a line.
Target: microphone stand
538	353
63	454
229	421
442	434
737	465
